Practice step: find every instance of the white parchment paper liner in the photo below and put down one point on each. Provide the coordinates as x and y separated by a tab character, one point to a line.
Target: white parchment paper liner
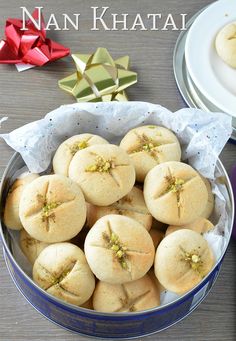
202	136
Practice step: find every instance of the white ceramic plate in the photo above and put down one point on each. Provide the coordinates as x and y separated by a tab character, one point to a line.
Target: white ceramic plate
215	79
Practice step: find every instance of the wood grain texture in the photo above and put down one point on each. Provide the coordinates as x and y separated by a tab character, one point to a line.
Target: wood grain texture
29	95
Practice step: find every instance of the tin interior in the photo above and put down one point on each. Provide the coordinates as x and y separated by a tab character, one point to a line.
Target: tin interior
16	163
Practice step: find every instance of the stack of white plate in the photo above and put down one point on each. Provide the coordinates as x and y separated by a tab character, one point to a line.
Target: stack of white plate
204	80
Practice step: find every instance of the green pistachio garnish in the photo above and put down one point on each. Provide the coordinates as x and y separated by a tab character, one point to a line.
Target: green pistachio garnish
61	277
115	248
146	144
47	210
175	185
101	165
114	244
193	259
78	146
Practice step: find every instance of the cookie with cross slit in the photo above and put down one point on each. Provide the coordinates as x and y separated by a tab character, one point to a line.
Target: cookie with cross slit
11	216
174	193
131	205
52	208
138	295
182	260
66	151
148	146
104	172
118	249
61	269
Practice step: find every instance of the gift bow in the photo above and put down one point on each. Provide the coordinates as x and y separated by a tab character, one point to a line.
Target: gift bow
29	46
99	77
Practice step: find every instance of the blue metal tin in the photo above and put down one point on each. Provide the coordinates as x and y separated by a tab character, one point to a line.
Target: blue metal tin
105	325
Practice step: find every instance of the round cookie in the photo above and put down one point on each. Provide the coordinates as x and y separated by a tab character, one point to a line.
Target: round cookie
131	205
148	146
174	193
62	270
30	246
118	249
156	236
225	44
201	225
52	208
138	295
70	147
11	216
104	172
210	201
182	260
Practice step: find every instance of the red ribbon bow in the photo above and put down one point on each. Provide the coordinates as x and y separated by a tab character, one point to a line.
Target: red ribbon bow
29	46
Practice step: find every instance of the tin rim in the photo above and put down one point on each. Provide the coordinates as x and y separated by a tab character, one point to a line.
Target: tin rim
115	315
188	90
107	338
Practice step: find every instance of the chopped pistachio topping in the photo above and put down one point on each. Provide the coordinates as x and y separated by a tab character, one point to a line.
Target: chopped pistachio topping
78	146
193	259
114	244
146	144
101	165
47	210
57	280
175	185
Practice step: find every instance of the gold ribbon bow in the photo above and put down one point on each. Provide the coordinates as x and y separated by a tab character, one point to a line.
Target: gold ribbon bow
99	77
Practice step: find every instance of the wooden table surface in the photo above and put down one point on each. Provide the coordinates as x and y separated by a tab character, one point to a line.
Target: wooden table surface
27	96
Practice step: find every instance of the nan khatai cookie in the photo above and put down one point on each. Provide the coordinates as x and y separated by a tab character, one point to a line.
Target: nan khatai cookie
148	146
30	246
182	260
201	225
119	249
11	211
210	201
70	147
226	44
138	295
131	205
174	193
104	172
52	208
62	270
